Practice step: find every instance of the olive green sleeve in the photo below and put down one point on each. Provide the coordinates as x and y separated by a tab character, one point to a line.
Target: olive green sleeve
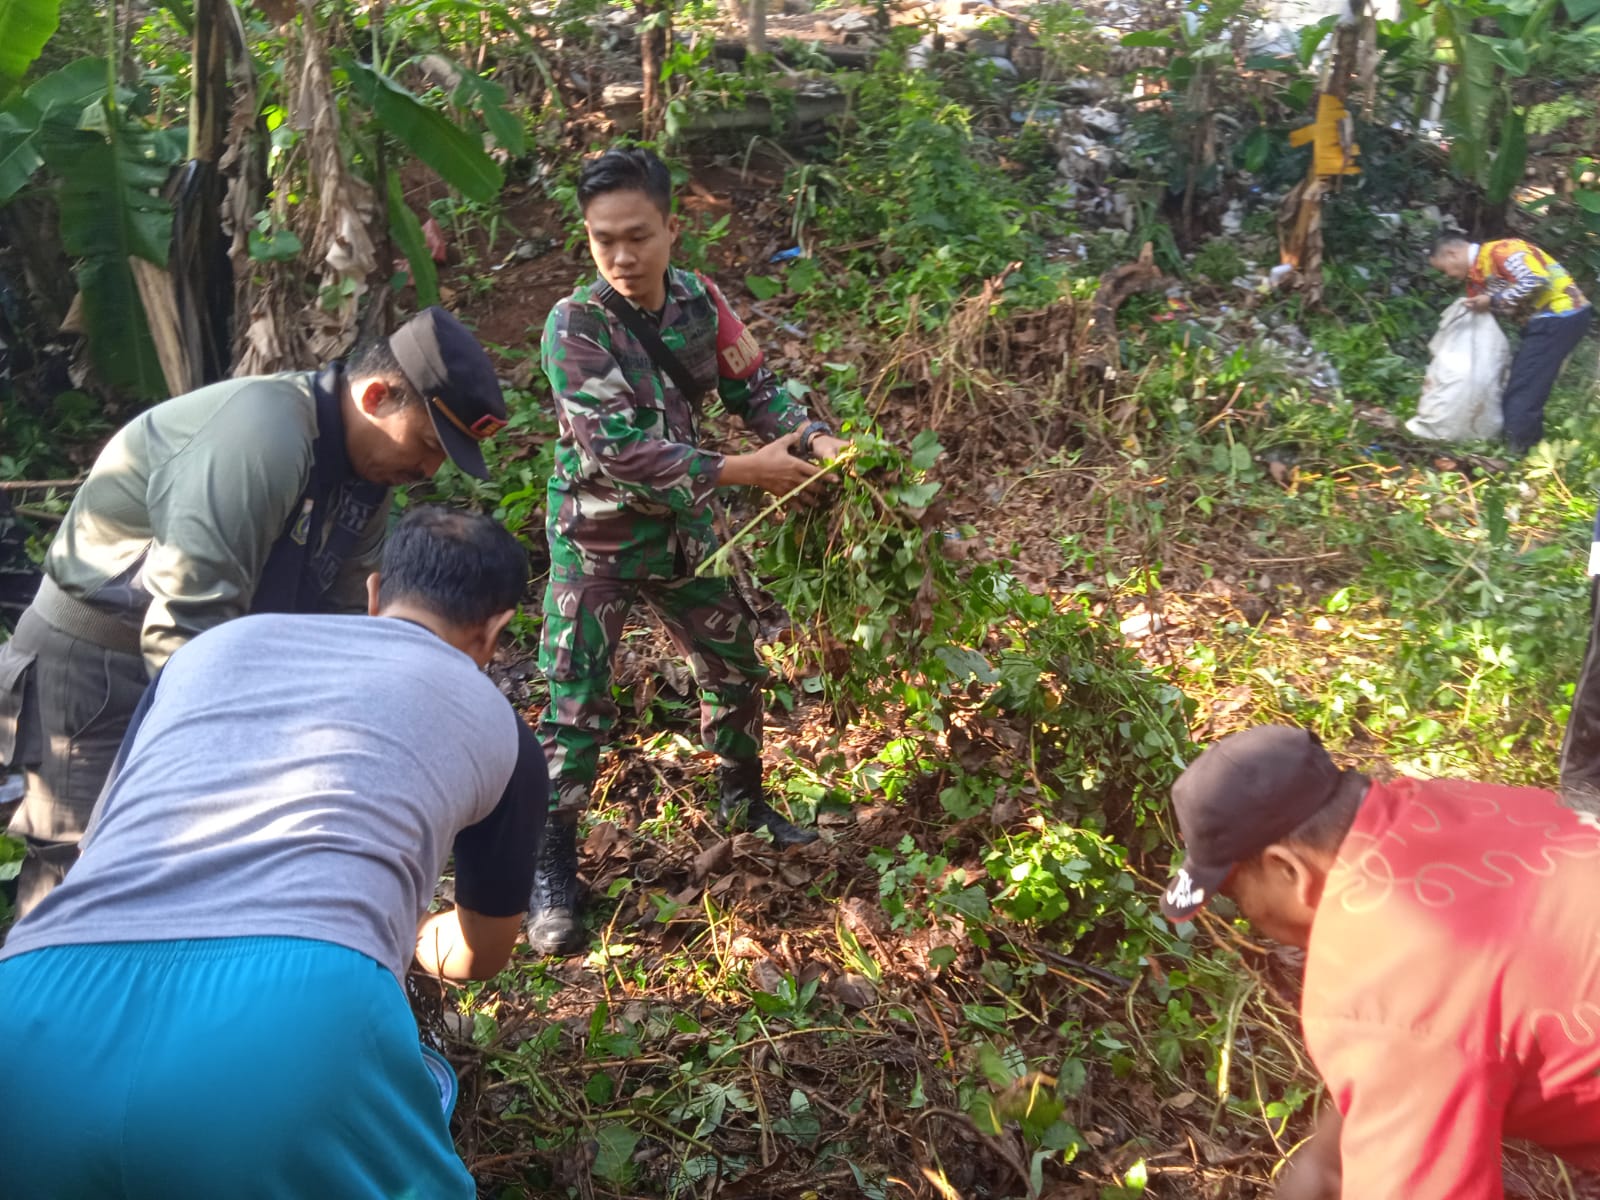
216	507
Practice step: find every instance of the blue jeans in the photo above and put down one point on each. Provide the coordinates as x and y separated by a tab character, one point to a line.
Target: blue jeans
271	1068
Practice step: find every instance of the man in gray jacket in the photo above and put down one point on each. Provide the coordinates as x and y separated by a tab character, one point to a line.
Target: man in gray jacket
264	494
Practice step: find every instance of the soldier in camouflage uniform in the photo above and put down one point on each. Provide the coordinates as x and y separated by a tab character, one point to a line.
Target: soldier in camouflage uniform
630	513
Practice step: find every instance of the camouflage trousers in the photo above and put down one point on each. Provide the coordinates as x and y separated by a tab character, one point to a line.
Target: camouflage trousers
583	617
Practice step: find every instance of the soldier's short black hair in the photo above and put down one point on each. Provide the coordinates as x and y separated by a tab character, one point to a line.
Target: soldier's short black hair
376	360
626	169
460	565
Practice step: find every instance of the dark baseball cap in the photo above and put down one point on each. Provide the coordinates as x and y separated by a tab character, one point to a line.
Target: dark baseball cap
1241	795
456	380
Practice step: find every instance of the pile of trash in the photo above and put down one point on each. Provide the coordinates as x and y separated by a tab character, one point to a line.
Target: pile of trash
1275	348
1086	144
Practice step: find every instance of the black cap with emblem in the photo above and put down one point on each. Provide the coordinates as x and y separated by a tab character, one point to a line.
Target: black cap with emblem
1241	795
456	380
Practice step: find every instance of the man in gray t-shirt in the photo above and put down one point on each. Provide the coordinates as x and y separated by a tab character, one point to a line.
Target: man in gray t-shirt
255	883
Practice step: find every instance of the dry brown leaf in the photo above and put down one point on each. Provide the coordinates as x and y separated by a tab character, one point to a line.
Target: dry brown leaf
744	946
854	991
1006	811
765	974
793	874
603	839
715	860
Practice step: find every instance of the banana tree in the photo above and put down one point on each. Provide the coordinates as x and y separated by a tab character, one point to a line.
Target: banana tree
105	166
321	253
86	140
1486	113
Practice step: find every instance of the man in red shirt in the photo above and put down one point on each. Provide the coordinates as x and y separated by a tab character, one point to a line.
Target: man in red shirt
1452	939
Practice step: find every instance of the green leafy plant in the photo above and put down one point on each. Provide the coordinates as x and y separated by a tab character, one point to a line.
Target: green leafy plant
25	27
915	188
1488	106
12	851
1219	261
108	162
457	155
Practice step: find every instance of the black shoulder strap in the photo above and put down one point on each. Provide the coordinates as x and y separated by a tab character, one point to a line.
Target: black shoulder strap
650	338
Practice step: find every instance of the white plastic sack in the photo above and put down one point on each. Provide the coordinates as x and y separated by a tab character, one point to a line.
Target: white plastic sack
1460	399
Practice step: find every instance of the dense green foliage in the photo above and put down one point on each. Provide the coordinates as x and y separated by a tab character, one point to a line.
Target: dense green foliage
1003	739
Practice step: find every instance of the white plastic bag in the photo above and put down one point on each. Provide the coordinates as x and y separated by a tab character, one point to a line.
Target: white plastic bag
1460	399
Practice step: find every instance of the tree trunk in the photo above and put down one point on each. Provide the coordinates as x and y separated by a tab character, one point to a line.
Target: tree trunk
1346	46
1100	353
1300	216
199	346
653	42
379	319
756	27
1201	138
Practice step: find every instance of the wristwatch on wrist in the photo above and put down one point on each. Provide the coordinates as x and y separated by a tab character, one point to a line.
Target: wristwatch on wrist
808	434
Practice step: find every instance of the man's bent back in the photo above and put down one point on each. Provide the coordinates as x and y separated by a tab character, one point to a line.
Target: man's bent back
211	1003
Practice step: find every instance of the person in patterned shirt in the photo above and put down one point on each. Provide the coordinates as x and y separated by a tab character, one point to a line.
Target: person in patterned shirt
629	513
1519	282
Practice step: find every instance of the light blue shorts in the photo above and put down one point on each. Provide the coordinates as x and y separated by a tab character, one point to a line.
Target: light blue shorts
271	1068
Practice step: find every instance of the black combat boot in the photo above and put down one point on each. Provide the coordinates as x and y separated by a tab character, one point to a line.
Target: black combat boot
555	918
743	806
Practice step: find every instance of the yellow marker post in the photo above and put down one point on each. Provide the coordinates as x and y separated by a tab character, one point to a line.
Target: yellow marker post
1333	148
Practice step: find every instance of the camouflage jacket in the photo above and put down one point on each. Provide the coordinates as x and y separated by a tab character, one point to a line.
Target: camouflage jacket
630	496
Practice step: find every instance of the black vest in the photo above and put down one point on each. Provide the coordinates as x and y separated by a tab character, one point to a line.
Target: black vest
328	519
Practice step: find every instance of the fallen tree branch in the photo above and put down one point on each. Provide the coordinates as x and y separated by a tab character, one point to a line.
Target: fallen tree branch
24	485
853	57
624	107
1116	286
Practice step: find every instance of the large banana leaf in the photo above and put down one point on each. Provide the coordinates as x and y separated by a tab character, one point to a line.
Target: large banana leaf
1510	158
57	100
489	98
111	211
1529	27
25	26
124	354
110	206
1473	101
407	233
19	157
458	156
1510	53
64	94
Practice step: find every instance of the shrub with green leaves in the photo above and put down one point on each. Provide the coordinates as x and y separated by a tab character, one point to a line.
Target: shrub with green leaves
1219	261
918	196
897	625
